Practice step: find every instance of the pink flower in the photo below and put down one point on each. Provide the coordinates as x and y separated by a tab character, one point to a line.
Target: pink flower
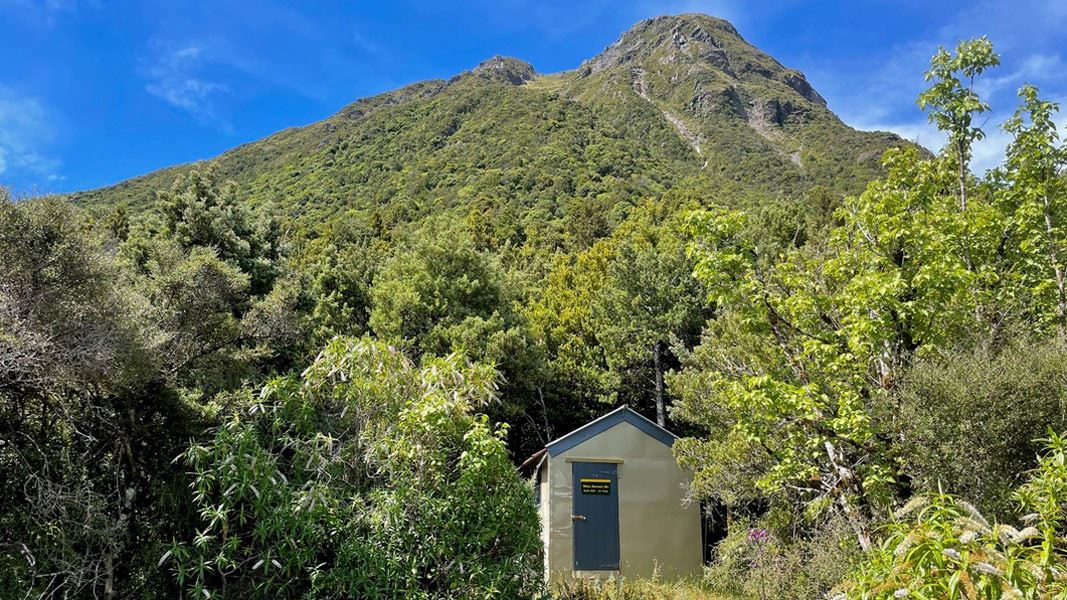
758	535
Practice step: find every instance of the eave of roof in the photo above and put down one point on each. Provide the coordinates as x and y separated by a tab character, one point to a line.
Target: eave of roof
533	458
623	414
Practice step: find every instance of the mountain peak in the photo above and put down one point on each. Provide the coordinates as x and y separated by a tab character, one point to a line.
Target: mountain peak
697	41
697	36
505	69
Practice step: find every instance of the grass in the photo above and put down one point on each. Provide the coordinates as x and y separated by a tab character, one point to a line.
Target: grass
636	589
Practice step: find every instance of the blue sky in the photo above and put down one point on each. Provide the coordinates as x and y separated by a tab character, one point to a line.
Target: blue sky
95	91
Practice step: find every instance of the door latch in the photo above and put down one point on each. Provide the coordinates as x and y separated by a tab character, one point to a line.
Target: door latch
578	517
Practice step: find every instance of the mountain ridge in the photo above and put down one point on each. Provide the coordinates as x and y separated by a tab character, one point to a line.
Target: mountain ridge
675	101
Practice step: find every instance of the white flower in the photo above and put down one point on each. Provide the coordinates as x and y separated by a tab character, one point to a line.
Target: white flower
988	569
1027	533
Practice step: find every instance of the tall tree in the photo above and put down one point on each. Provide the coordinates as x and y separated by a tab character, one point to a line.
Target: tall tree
1035	193
87	431
199	212
953	102
829	327
649	302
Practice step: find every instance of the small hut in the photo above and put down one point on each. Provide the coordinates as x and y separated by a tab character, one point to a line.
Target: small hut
612	500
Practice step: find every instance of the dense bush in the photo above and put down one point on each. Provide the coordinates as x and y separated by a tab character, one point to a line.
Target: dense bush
368	477
829	384
754	562
970	419
87	429
942	546
639	589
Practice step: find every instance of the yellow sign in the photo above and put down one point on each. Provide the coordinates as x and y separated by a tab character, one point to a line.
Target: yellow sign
596	486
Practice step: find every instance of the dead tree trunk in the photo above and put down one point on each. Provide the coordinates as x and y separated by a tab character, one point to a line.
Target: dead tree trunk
846	481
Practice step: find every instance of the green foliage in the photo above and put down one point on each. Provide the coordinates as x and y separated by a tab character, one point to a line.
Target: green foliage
1035	192
635	589
62	317
198	213
532	232
942	547
87	432
797	409
648	303
752	562
367	477
341	280
611	319
207	272
951	98
812	340
423	298
968	419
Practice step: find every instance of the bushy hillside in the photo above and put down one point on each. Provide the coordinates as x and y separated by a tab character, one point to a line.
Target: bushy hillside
676	103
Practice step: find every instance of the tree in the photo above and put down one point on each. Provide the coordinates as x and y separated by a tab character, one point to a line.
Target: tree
443	296
910	271
560	320
208	271
649	301
1035	194
610	320
199	213
954	103
341	278
940	546
422	297
85	425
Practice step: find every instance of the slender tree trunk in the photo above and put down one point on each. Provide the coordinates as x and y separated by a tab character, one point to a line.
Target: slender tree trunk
1053	255
657	362
961	149
109	576
856	521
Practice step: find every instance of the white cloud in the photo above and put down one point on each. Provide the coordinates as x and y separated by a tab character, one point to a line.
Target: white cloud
1035	68
174	78
25	130
882	96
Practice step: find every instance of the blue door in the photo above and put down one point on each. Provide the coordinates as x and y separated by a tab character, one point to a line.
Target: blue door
595	516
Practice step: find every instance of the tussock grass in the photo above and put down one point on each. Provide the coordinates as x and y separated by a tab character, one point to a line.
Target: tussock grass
636	589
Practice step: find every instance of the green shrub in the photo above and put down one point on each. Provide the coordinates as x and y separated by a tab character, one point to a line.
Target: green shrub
634	589
754	562
942	547
368	477
969	419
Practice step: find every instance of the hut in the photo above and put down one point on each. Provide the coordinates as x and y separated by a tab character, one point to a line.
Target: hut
612	501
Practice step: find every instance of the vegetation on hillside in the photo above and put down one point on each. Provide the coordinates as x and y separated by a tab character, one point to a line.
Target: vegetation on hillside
307	367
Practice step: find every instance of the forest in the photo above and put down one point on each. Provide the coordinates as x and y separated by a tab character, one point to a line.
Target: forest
207	391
